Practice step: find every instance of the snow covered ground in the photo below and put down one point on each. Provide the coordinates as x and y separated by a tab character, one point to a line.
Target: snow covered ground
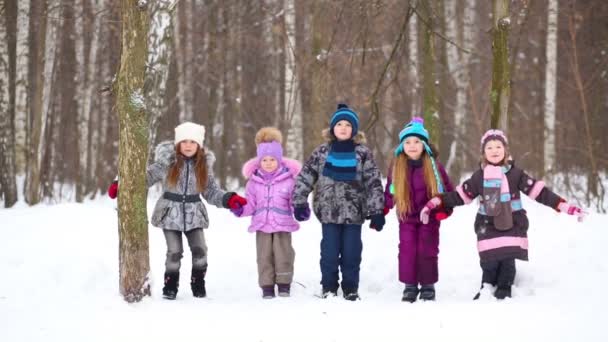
59	282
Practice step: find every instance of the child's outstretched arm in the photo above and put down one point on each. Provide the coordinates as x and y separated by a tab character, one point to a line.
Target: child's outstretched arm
536	190
389	201
464	194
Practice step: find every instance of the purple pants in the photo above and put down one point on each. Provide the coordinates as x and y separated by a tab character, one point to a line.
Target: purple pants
418	251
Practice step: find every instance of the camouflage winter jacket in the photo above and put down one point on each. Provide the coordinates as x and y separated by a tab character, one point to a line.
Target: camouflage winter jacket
341	202
177	215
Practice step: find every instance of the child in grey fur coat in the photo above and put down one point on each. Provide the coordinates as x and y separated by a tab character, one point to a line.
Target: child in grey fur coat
185	169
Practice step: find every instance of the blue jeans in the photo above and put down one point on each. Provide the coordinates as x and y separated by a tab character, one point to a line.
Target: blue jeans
341	246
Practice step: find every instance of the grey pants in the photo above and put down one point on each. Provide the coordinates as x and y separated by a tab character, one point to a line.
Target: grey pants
275	258
175	249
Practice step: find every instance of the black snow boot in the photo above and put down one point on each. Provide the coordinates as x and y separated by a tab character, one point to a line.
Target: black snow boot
427	292
171	285
329	292
198	283
410	293
351	294
502	292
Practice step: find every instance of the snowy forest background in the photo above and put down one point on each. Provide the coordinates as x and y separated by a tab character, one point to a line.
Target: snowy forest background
236	66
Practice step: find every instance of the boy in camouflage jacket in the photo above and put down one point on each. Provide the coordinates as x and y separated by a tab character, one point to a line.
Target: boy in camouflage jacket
347	189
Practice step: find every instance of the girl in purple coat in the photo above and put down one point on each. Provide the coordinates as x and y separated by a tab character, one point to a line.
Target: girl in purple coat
271	180
414	178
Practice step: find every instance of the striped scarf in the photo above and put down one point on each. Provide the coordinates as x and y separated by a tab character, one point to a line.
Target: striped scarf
341	162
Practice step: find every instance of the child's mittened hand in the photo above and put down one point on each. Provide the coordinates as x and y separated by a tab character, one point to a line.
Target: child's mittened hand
237	211
430	205
386	210
424	214
301	213
236	202
571	209
113	190
377	222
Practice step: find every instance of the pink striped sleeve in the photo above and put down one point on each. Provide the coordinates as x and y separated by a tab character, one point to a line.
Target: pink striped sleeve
536	189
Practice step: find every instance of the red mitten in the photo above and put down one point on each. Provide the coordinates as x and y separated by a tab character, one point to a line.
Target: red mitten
386	210
235	202
113	190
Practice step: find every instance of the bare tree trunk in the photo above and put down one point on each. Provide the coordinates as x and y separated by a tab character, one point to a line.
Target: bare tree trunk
431	104
132	154
458	63
593	178
159	57
21	86
501	88
550	89
46	46
414	66
293	105
182	29
81	83
8	56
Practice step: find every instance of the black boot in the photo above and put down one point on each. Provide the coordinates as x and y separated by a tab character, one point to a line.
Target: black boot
410	293
351	294
198	283
427	292
329	292
502	292
171	285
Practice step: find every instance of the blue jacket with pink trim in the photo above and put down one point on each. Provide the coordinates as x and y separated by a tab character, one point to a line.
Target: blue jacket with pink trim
494	244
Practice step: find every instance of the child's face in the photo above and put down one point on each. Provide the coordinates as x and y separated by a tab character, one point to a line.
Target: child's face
188	147
343	130
494	152
269	164
413	147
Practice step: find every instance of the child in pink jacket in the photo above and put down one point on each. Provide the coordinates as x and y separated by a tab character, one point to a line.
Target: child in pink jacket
271	180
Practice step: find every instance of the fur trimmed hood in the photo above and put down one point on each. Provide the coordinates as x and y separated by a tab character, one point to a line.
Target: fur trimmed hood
358	139
164	153
251	165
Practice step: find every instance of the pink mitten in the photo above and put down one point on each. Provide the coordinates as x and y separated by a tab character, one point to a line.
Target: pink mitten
571	209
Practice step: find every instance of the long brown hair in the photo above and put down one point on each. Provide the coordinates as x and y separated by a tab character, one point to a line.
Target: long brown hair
403	187
200	169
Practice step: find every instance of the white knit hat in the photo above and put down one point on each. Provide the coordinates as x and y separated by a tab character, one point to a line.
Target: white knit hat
190	131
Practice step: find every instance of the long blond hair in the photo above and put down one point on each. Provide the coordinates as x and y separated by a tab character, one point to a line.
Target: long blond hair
402	187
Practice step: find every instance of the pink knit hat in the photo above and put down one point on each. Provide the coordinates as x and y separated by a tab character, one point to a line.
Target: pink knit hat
272	149
493	134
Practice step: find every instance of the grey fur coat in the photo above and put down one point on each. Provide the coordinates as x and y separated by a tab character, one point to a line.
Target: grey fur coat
174	215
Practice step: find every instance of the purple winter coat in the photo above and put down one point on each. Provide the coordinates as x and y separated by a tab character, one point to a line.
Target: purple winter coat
269	201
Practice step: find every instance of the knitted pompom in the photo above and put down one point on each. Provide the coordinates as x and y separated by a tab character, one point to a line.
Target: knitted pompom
418	119
268	134
342	105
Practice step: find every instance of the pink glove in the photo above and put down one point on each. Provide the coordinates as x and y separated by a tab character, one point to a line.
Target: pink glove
571	209
430	205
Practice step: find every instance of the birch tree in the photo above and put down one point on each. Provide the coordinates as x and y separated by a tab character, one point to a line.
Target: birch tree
45	46
501	88
134	263
183	54
159	57
458	64
21	83
8	187
550	88
293	106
